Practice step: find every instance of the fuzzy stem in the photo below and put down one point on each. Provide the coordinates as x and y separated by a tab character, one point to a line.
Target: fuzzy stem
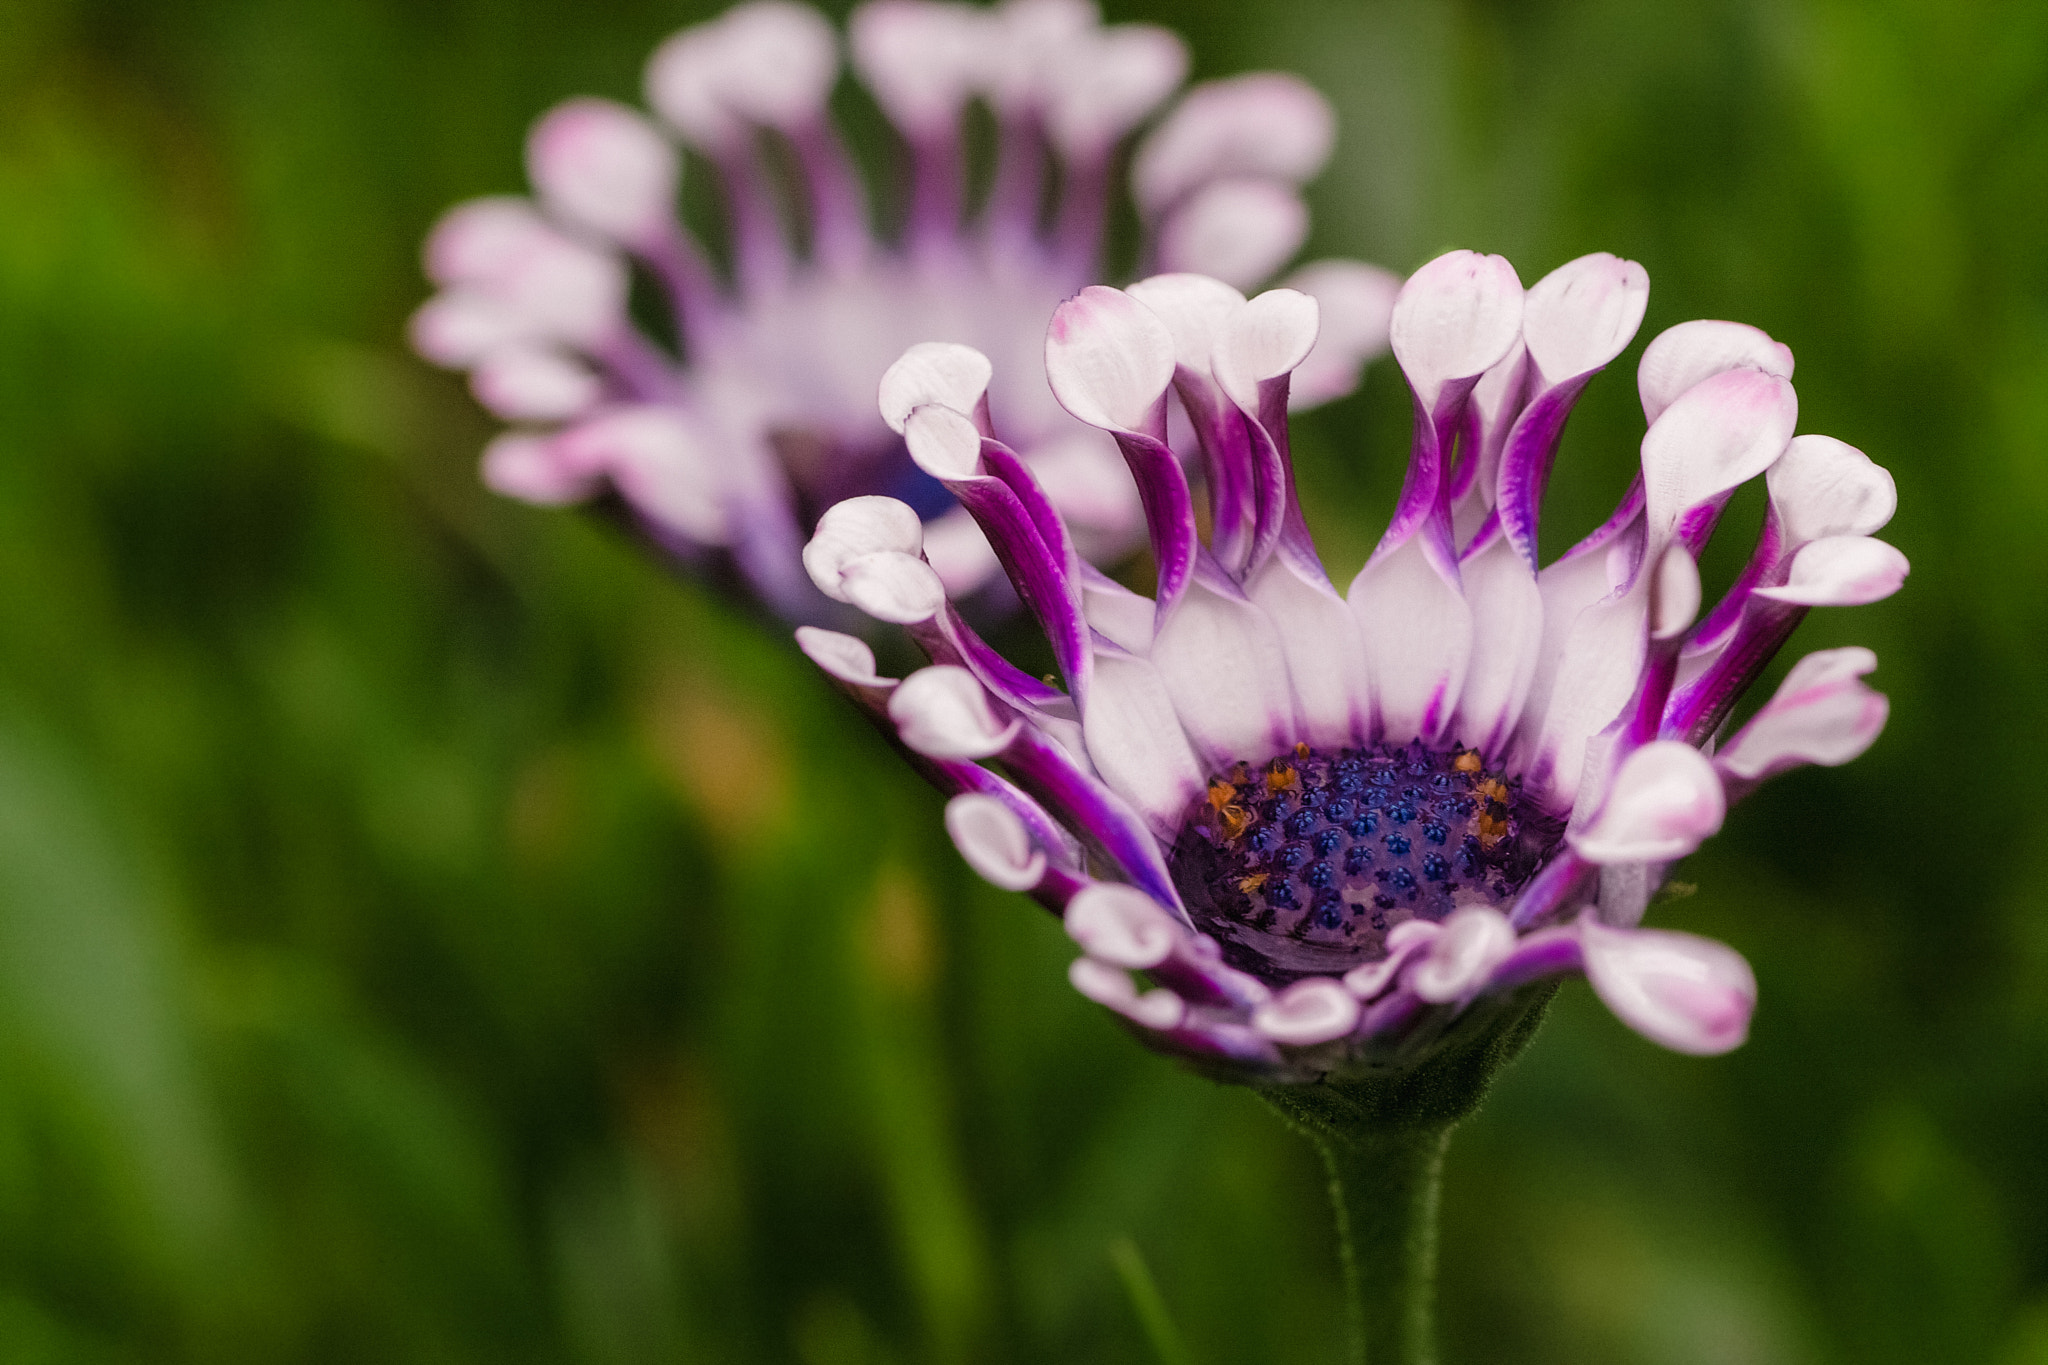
1385	1193
1382	1137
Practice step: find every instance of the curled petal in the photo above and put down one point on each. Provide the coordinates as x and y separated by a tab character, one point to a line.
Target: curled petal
1580	316
1194	308
943	443
1664	801
1453	319
522	383
1475	939
1103	87
940	372
1313	1010
994	842
921	60
898	588
1822	713
1109	359
846	658
521	465
1355	302
1720	433
942	712
534	281
1266	123
1111	987
1239	230
1841	571
1122	926
1263	340
771	62
1824	487
659	462
1404	941
458	327
779	60
478	242
1689	994
1675	599
858	527
1682	356
604	167
1033	37
684	86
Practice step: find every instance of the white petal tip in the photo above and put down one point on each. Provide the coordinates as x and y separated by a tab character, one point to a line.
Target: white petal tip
1314	1010
527	467
1109	359
943	443
1680	357
943	712
1121	925
1111	987
1841	571
1821	714
1472	943
1689	994
844	657
857	527
994	842
1664	801
940	372
1266	338
602	165
1454	318
1581	315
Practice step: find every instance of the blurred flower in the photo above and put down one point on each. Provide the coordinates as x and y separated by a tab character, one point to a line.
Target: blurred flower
768	416
1330	827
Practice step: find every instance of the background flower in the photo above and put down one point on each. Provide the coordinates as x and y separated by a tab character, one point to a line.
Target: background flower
360	998
759	412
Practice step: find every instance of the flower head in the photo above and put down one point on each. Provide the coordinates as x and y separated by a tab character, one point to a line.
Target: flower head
763	412
1327	827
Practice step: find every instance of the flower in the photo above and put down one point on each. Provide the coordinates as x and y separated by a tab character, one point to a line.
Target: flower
1328	828
727	447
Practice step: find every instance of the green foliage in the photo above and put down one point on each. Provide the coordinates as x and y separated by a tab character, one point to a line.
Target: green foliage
428	932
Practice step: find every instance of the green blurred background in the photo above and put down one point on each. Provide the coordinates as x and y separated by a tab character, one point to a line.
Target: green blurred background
428	932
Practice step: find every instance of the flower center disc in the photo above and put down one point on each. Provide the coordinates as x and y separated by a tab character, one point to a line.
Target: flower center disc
1302	864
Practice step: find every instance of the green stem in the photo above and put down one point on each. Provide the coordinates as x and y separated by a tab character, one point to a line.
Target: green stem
1385	1194
1382	1135
1385	1188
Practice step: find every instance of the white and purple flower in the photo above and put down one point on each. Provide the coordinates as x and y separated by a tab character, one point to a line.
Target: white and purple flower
1325	827
729	444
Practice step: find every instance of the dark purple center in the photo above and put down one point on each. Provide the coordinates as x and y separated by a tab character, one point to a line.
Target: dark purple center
1303	864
